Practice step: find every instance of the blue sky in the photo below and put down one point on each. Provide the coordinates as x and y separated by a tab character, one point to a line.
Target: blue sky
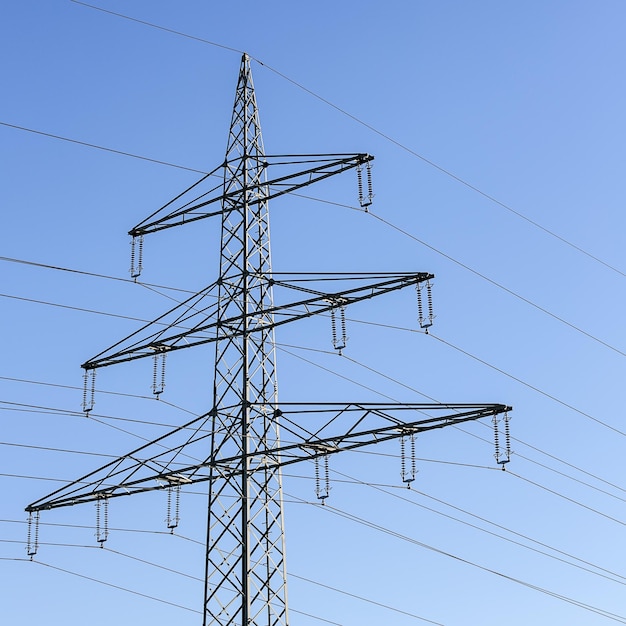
497	130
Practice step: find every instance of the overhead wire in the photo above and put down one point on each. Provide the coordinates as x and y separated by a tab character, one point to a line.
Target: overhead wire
86	273
506	576
117	587
344	592
374	130
467	268
466	353
99	147
384	489
603	572
385	530
80	414
455	261
49	409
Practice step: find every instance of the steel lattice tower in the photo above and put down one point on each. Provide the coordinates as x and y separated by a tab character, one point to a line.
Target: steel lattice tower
245	509
238	439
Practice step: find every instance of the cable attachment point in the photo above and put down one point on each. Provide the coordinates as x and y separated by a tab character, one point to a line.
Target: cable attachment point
136	256
158	369
89	390
32	541
102	519
408	473
425	322
339	342
502	458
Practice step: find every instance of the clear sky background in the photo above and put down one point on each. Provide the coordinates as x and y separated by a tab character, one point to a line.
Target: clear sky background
498	131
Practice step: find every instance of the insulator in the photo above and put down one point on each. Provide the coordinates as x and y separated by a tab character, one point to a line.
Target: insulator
496	438
429	295
136	261
359	177
158	381
132	258
89	390
322	492
318	488
326	476
413	460
507	434
420	308
102	520
370	192
172	521
365	201
338	343
425	322
507	441
32	541
407	476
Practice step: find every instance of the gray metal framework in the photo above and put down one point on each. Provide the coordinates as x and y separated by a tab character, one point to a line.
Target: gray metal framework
240	446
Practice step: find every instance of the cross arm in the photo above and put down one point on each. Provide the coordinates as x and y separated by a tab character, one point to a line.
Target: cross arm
196	203
194	322
310	430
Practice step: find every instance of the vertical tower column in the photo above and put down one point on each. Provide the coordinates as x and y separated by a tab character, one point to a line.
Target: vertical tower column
245	564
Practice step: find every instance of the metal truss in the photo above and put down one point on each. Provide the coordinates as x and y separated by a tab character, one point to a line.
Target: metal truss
309	430
241	445
197	320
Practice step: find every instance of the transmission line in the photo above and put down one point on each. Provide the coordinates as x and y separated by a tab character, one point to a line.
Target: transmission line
376	131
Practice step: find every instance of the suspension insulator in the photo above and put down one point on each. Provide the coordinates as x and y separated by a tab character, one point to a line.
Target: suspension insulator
420	307
425	322
89	390
322	491
158	370
32	541
364	200
429	295
172	520
496	439
506	457
102	520
370	192
359	178
339	343
408	476
136	256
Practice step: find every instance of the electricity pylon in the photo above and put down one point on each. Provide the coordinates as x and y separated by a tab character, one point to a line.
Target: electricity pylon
236	447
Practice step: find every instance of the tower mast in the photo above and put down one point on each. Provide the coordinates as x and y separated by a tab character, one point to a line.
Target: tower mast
245	527
236	445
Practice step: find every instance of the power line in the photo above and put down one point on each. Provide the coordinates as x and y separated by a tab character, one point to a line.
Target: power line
499	370
98	147
532	387
413	541
118	587
163	28
450	258
73	308
376	131
362	599
500	286
560	495
79	414
609	575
